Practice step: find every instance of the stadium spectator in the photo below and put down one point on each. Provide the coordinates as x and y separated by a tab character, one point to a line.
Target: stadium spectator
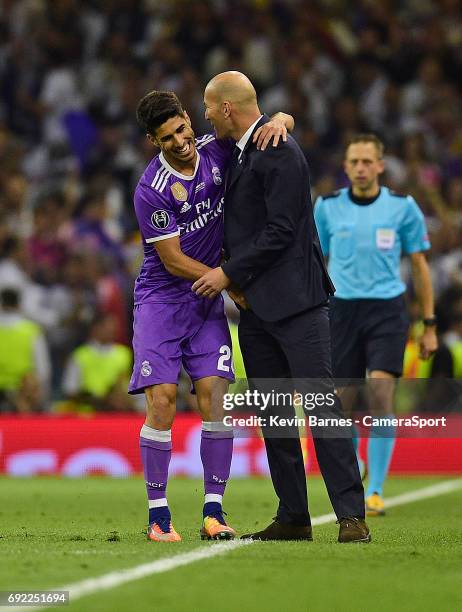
47	249
24	360
89	233
110	292
15	271
97	374
441	390
447	362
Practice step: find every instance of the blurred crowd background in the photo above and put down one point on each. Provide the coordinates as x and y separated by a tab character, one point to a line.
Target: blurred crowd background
71	74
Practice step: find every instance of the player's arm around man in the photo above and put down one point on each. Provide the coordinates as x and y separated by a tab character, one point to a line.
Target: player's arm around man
179	206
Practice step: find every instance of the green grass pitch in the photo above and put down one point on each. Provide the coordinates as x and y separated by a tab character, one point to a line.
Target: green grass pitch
57	531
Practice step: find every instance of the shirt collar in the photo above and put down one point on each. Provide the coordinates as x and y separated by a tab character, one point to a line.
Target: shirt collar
241	144
171	169
363	201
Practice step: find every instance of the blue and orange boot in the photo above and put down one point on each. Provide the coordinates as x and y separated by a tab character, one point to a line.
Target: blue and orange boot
159	532
214	526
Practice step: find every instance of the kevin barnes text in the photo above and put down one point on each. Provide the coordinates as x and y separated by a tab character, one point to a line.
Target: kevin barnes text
312	420
277	421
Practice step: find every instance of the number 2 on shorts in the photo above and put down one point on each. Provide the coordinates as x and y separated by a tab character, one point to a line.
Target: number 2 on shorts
225	353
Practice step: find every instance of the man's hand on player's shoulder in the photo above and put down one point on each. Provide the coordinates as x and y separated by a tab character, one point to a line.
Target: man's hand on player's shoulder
275	129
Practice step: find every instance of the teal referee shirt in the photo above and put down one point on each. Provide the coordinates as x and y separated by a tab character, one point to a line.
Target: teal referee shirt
364	242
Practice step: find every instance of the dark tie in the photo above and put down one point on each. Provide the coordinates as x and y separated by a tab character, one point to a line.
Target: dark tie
235	158
234	163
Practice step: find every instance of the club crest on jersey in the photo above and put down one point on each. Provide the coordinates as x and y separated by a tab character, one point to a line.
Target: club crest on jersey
179	192
146	369
216	176
160	219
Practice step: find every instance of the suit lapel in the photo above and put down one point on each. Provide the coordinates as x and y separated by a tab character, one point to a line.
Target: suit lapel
237	166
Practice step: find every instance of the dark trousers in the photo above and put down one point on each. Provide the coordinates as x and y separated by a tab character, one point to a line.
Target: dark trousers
299	348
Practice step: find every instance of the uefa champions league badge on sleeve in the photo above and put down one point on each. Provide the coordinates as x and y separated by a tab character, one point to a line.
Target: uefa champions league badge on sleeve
146	369
160	219
216	176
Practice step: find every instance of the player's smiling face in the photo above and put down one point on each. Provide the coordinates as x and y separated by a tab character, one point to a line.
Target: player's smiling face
175	138
363	166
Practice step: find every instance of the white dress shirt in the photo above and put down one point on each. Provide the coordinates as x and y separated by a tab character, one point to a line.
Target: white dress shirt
245	137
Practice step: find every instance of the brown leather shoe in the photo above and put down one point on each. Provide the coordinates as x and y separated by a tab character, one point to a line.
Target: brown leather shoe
281	531
353	530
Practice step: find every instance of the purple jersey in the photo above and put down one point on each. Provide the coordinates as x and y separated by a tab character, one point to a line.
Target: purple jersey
168	204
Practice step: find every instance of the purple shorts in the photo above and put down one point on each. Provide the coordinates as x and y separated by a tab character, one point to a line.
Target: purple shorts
166	336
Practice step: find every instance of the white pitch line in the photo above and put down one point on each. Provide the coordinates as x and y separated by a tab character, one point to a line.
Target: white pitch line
433	491
441	488
117	578
108	581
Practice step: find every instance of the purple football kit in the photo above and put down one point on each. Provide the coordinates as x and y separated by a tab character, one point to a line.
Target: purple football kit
172	325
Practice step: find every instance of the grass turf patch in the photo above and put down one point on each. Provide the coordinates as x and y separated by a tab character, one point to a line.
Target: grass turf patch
57	531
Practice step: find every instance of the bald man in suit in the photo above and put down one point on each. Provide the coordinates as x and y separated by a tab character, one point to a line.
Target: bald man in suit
273	258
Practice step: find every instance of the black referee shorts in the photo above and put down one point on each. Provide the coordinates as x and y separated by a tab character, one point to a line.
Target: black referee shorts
367	335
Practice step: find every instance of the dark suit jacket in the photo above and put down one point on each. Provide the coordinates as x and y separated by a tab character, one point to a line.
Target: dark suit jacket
271	243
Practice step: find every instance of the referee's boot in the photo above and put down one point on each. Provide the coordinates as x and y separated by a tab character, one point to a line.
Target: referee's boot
375	506
353	529
281	531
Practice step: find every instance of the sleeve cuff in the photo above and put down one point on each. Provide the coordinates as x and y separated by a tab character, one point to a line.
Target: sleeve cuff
164	237
240	279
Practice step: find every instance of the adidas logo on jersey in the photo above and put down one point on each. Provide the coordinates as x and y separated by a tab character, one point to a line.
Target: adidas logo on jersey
185	207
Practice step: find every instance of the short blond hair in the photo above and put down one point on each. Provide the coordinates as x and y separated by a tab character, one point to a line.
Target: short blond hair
372	138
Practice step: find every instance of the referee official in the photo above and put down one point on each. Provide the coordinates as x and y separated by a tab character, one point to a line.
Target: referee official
363	230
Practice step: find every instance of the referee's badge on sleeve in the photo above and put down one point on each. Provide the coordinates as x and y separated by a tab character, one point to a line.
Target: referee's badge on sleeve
385	238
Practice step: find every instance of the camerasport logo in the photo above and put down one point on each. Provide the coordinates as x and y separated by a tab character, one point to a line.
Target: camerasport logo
160	219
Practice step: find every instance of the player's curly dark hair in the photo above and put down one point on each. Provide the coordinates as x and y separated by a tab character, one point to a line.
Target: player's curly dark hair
155	108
